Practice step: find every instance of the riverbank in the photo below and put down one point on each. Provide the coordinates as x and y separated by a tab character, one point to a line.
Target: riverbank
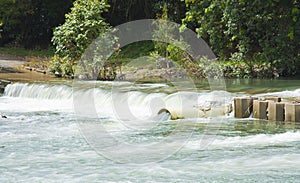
12	69
30	65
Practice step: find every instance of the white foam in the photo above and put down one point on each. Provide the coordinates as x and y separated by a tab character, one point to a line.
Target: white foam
121	104
38	91
238	141
282	94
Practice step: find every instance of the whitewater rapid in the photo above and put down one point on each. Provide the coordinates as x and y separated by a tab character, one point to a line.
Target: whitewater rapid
45	140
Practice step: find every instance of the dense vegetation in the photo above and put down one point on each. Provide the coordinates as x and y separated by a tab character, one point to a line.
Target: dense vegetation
251	38
30	23
251	31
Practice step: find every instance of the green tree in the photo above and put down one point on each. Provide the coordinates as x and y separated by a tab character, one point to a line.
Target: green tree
205	17
96	63
265	31
176	9
122	11
163	34
83	24
170	44
85	31
29	23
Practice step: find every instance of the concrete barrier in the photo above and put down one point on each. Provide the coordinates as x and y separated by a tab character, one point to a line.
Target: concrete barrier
197	112
292	112
269	108
276	111
260	109
275	99
243	107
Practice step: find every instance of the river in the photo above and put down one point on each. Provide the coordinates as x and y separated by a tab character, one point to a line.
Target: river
55	133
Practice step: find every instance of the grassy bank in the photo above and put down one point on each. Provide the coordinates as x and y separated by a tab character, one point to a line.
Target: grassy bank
132	57
22	52
136	50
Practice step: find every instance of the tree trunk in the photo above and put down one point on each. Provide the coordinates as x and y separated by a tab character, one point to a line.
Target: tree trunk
167	59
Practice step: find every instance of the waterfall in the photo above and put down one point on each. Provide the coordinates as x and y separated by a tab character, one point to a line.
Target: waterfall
125	103
38	91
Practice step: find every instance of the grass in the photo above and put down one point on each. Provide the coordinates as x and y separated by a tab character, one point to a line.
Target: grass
136	55
22	52
135	50
128	52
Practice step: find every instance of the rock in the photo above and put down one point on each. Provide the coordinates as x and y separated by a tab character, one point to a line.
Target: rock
57	74
28	68
2	89
40	71
3	116
3	84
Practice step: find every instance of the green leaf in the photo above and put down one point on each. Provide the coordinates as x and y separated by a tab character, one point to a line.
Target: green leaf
233	37
291	35
295	11
295	19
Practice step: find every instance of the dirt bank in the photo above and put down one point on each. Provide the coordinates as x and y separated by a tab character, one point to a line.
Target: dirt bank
10	69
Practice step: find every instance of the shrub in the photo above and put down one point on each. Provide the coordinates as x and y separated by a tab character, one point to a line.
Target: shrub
83	24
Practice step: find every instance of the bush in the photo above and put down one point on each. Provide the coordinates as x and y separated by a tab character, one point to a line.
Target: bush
62	66
83	24
54	64
244	30
237	69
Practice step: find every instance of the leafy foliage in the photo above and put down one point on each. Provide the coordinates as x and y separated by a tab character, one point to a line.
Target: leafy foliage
83	24
61	66
248	35
163	35
29	23
122	11
95	63
266	31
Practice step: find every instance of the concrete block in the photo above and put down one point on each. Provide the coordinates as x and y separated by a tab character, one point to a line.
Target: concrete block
292	112
276	111
260	109
243	107
275	99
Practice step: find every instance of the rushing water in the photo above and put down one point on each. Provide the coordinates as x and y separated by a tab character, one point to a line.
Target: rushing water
43	139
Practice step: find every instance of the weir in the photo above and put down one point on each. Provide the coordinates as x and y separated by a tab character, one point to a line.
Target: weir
178	105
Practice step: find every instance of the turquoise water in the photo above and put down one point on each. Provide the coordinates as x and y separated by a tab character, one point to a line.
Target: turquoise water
45	140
